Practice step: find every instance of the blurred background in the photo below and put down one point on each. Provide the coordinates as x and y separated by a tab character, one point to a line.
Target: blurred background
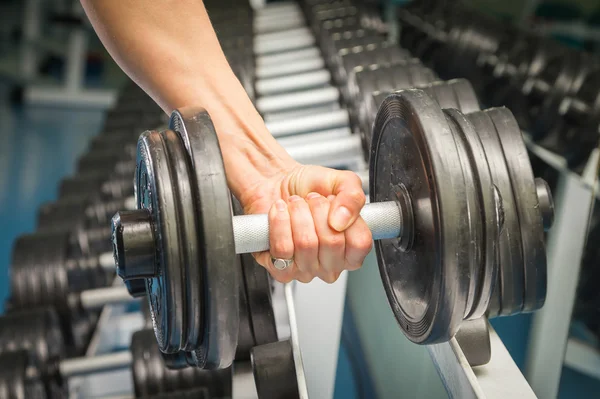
56	81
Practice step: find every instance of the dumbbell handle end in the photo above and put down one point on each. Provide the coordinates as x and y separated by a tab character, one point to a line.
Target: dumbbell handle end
251	232
98	297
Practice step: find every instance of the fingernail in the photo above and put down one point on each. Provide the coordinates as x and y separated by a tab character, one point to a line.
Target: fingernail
294	198
331	197
280	205
312	195
340	218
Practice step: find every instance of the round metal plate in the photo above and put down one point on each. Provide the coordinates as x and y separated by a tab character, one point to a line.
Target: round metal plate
151	376
36	330
508	294
484	219
473	225
275	371
456	93
528	208
426	286
39	274
258	291
186	223
155	192
218	276
14	380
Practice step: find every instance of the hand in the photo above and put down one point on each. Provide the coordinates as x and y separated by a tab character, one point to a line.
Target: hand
314	220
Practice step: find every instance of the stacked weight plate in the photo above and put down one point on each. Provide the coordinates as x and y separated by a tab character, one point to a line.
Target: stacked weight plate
551	89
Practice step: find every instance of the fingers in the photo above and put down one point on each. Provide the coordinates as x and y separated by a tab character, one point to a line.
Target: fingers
331	242
281	242
345	185
302	230
349	200
306	242
358	244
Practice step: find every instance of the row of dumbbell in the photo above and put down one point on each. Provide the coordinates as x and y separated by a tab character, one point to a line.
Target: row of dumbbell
68	265
68	254
34	363
552	89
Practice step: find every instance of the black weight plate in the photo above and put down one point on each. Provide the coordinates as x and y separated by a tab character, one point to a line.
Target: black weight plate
484	217
258	291
404	75
69	216
39	274
528	207
275	371
456	93
360	60
165	291
187	224
151	376
473	225
414	150
14	380
219	275
507	297
36	330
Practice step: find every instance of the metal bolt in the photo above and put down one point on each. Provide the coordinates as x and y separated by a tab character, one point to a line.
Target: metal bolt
133	244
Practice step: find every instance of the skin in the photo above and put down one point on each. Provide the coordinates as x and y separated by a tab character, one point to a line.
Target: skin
169	48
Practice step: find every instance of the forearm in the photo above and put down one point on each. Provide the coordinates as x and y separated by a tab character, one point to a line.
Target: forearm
170	49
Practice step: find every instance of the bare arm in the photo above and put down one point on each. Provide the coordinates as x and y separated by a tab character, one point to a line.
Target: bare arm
169	48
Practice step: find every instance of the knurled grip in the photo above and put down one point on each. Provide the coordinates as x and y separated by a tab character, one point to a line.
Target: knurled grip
251	232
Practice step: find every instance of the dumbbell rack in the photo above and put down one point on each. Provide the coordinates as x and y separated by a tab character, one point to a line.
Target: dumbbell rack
549	343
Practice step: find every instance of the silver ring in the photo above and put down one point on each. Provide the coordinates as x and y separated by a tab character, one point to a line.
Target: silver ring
281	264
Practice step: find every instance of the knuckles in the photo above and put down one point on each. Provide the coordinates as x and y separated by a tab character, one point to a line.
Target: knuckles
306	242
333	241
282	249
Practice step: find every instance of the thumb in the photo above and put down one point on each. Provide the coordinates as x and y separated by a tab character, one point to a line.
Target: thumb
346	186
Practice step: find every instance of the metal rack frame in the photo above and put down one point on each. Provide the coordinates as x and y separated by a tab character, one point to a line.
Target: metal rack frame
549	344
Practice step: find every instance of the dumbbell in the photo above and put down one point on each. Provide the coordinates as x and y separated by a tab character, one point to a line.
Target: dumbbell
47	269
274	370
96	183
83	211
424	151
45	351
